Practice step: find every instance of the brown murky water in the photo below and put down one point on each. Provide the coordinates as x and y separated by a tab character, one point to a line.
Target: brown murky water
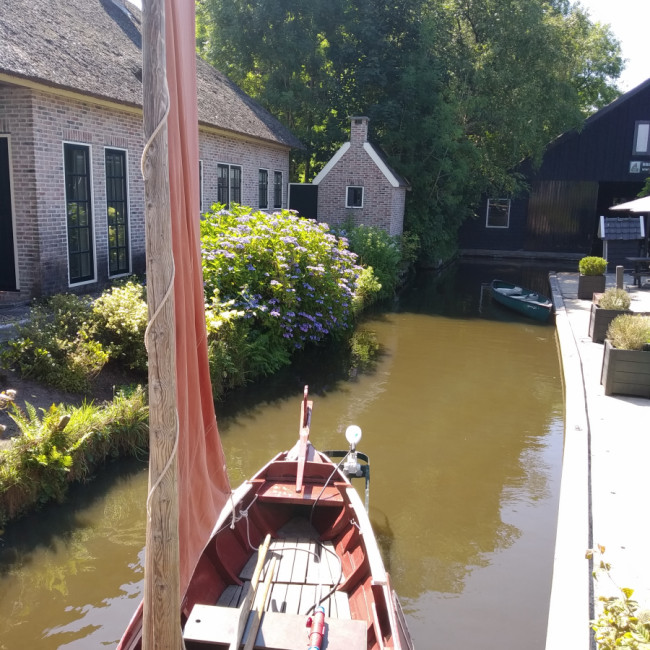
463	422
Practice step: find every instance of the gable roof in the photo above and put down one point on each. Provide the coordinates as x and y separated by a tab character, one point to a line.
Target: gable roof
94	48
377	156
621	228
594	118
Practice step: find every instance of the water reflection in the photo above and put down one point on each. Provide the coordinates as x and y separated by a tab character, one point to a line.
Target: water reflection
462	419
66	569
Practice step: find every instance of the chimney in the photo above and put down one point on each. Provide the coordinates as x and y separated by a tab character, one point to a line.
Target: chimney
358	130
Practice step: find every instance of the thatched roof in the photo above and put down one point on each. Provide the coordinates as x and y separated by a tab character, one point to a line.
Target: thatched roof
94	48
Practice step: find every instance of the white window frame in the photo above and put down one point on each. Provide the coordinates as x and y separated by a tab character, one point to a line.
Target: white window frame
275	173
200	186
641	143
503	203
128	214
347	196
7	136
92	280
230	167
259	188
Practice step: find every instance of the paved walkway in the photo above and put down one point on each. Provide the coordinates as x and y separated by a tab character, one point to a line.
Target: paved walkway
605	478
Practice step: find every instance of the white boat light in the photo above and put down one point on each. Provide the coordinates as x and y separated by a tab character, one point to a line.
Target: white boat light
353	434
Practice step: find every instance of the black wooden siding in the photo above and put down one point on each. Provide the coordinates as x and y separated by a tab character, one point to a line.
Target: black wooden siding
581	176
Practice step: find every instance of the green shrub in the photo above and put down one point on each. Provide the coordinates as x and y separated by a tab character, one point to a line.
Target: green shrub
616	299
120	318
65	444
294	281
377	249
56	346
629	331
390	257
592	265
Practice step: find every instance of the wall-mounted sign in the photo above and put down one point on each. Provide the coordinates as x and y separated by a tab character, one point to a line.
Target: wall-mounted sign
639	167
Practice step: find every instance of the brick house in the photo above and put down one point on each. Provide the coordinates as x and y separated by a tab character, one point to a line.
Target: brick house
71	138
359	183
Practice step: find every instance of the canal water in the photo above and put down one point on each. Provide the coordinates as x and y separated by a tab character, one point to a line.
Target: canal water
462	416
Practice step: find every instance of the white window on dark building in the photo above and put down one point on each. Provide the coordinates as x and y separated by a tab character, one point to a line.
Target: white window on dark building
498	213
641	139
354	197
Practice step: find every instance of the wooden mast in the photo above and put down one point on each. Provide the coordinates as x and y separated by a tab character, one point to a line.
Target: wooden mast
161	625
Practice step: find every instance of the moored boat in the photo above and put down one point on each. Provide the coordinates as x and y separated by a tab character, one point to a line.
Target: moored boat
523	301
293	551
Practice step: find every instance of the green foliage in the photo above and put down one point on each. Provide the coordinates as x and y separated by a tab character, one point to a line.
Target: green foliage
64	444
377	249
629	332
616	299
274	284
458	93
56	346
120	318
620	623
592	265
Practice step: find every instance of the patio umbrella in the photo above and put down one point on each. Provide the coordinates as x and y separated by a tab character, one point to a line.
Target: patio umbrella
638	205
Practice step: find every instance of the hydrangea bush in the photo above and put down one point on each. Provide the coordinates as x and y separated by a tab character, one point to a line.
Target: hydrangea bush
290	279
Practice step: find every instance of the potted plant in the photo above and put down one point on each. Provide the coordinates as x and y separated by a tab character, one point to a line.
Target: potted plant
604	309
626	357
592	276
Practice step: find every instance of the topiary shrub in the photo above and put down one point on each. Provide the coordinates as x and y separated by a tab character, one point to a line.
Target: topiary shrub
592	265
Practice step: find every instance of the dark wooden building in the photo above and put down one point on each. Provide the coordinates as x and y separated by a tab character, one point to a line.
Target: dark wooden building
582	174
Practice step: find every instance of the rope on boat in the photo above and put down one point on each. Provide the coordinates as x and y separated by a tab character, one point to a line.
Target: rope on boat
168	292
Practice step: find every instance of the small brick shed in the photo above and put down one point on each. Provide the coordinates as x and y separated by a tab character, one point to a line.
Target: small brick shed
359	183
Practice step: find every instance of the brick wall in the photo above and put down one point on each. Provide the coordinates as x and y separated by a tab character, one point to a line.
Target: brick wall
215	148
383	204
39	124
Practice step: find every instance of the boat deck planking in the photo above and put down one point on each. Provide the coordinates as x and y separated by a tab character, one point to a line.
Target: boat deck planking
304	570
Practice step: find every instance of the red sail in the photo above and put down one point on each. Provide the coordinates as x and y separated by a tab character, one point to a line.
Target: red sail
203	482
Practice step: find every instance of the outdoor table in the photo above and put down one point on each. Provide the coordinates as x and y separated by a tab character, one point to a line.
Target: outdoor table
641	268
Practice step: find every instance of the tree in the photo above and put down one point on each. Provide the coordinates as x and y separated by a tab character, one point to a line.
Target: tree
458	92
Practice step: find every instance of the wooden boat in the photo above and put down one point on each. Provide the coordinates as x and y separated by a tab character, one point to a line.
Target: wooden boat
292	546
524	301
322	559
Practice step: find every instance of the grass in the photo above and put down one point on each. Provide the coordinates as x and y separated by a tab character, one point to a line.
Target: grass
63	445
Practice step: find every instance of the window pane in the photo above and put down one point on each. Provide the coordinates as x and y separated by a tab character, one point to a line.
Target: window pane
116	212
641	142
277	190
263	188
79	211
498	213
355	197
222	185
235	184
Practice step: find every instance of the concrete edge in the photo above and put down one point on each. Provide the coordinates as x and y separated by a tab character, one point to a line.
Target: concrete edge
571	601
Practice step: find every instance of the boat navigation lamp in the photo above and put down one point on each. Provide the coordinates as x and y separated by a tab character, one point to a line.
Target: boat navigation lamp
351	465
353	435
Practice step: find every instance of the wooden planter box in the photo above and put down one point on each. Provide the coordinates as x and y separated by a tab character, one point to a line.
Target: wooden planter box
590	284
600	319
625	372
